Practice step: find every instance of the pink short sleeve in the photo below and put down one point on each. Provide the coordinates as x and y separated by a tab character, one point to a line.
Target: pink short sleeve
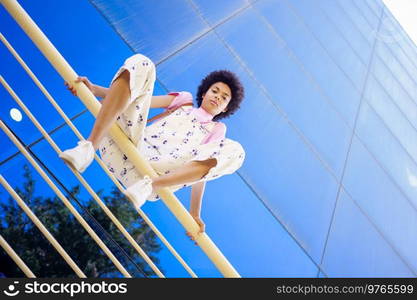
218	133
181	98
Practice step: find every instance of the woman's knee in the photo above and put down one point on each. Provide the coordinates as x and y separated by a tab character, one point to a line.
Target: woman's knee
207	165
210	163
120	89
123	79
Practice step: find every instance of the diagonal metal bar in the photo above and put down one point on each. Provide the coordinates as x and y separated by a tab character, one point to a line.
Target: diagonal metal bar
69	75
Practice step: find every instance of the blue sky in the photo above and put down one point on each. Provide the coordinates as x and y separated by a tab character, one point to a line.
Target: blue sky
322	153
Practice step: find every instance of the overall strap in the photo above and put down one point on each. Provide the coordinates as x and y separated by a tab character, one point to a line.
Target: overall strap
167	112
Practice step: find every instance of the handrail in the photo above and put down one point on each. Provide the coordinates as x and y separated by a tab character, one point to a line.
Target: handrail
42	228
96	157
66	202
83	181
16	258
69	75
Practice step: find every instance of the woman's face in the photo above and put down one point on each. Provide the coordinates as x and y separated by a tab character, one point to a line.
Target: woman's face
216	99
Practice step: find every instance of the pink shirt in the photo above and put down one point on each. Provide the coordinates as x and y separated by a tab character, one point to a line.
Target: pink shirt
219	130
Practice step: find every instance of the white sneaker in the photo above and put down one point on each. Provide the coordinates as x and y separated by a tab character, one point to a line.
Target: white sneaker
140	191
79	157
153	197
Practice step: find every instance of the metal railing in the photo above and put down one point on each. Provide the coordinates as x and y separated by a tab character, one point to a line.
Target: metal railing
85	95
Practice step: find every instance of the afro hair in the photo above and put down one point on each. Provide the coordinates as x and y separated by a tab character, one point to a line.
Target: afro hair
236	87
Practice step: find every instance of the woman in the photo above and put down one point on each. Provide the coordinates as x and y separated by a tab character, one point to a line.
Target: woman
186	146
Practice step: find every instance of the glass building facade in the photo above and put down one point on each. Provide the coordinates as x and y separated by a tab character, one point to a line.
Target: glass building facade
329	184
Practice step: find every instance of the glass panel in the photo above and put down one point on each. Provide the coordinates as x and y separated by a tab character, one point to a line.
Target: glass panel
396	50
142	25
359	19
329	21
393	117
314	59
215	12
353	241
401	74
368	13
100	43
391	87
376	6
388	151
382	201
334	46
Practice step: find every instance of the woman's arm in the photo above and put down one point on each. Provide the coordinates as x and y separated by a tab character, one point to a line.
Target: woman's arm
162	101
99	91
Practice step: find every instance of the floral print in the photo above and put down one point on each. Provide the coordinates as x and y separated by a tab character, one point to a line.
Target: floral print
167	143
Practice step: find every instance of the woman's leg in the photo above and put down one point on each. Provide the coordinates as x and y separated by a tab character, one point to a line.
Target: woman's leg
189	172
113	104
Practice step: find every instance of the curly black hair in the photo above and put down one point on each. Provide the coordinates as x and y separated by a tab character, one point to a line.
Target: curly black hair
236	87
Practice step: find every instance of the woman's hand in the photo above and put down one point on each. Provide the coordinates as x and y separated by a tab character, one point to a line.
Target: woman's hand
87	82
202	227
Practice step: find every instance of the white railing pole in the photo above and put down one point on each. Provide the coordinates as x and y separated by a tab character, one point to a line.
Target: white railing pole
66	202
42	228
69	75
83	181
16	258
